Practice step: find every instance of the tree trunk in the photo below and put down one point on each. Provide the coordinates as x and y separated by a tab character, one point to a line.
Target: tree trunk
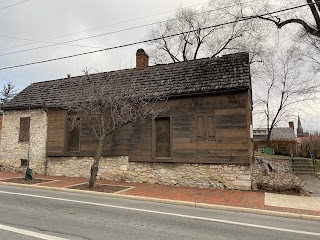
95	164
268	137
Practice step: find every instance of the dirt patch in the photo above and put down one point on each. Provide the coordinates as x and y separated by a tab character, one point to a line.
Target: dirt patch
280	179
24	181
100	188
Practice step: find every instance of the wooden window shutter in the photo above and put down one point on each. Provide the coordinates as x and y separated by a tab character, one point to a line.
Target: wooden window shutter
211	128
162	137
24	131
205	128
200	127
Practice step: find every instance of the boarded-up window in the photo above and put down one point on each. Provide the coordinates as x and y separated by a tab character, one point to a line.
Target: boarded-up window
24	163
211	128
24	131
205	129
162	137
73	134
200	127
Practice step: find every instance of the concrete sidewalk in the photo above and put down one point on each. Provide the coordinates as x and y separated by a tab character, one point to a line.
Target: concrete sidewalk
300	207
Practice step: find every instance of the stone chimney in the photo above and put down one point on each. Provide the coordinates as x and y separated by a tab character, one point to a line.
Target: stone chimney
291	125
142	59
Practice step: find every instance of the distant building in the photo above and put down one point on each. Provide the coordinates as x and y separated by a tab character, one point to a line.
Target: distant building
300	132
281	139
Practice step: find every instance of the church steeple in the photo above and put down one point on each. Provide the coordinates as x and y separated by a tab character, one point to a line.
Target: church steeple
299	129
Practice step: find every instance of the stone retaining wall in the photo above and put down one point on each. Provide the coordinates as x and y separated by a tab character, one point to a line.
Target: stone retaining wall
119	168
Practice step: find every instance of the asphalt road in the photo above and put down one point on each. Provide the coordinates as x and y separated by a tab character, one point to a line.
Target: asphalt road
38	214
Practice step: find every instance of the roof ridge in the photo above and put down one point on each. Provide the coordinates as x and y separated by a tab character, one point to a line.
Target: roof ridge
152	66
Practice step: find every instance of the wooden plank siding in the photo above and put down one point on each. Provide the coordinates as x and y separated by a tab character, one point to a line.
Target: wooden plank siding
203	129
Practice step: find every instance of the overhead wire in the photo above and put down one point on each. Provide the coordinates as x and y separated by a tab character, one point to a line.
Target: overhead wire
158	38
96	28
12	5
121	22
40	41
80	39
112	32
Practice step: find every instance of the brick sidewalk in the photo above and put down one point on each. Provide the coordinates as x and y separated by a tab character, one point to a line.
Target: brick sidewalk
233	198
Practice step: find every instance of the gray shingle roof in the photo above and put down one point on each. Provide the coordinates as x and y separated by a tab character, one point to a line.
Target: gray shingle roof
197	76
283	134
278	134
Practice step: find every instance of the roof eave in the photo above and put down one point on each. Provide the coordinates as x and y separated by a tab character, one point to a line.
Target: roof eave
174	95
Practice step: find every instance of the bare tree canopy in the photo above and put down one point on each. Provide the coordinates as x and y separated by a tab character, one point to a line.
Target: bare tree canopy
285	90
107	106
7	93
311	25
196	41
300	23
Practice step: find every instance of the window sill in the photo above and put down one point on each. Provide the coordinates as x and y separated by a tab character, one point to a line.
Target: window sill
205	140
163	158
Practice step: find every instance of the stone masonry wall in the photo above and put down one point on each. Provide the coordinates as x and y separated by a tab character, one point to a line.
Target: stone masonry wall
119	168
12	151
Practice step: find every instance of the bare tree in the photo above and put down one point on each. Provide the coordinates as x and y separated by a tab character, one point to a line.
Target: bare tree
106	106
311	50
195	40
7	93
284	89
308	17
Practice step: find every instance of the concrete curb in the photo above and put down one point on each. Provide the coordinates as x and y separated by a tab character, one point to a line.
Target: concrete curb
176	202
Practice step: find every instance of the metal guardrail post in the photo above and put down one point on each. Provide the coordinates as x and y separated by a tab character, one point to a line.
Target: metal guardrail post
311	156
291	158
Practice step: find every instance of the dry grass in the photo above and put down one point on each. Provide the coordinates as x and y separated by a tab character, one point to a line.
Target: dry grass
259	154
281	179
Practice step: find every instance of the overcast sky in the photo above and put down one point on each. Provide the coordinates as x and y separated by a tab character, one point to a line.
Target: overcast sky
28	24
47	21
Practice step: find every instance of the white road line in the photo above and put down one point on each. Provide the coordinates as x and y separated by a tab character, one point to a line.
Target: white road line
30	233
168	214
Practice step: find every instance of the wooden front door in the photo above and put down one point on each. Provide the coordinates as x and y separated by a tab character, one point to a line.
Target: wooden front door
162	137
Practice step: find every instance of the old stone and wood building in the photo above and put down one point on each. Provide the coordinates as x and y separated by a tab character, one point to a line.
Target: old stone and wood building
204	134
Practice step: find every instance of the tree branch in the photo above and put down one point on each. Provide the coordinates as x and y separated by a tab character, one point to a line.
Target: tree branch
314	12
279	24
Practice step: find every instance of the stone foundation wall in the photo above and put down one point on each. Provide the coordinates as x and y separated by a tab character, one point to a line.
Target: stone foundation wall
12	151
192	175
